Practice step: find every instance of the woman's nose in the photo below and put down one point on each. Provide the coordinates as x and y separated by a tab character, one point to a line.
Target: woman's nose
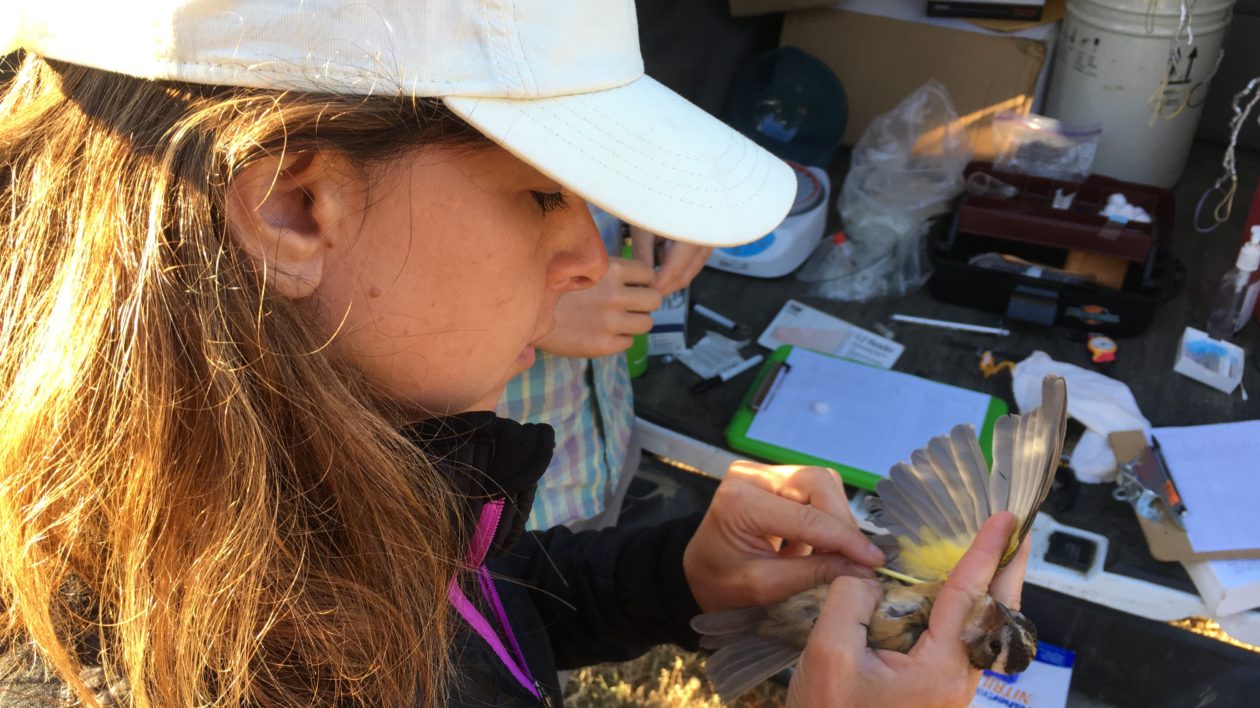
580	258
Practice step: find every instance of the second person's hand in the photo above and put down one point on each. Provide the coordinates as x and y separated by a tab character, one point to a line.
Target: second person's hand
678	265
603	319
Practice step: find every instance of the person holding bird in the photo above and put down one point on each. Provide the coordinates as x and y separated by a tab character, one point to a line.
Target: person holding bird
266	267
934	507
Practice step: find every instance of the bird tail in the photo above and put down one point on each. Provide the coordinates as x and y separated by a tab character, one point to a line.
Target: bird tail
743	658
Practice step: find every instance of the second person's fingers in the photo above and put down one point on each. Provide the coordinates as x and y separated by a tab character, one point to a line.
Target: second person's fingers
632	272
638	299
643	245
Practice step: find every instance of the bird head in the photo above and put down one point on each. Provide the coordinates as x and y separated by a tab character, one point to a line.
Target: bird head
1001	639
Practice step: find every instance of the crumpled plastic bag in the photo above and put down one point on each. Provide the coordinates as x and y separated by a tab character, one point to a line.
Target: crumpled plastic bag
1100	403
905	170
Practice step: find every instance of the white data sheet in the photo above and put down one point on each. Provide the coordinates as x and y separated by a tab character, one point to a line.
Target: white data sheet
857	415
1217	471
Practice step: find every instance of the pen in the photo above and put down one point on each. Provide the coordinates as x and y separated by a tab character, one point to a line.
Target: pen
728	374
1171	495
943	324
713	316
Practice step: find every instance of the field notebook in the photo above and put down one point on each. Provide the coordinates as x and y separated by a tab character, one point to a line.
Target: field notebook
813	409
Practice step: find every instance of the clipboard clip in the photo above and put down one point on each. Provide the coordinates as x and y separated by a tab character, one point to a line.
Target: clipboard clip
1146	483
773	373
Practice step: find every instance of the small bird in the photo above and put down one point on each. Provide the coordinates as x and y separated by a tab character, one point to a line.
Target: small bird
932	507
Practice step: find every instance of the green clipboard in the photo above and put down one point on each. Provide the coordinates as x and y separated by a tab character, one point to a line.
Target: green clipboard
776	366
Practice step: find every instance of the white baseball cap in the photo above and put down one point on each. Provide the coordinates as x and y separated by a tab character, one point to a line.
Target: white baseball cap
559	83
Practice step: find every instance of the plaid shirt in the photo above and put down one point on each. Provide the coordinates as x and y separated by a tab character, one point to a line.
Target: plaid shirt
589	403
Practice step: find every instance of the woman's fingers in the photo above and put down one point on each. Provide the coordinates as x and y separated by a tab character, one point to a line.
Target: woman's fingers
801	505
846	615
970	579
1008	586
775	579
818	487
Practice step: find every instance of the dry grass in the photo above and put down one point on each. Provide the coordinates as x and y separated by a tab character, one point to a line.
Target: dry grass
665	677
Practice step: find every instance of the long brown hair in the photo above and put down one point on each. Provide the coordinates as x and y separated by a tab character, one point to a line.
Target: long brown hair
193	495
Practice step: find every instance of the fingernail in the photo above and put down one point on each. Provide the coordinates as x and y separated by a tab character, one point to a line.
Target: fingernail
873	551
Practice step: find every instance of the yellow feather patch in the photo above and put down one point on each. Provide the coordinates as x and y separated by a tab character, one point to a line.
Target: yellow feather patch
934	558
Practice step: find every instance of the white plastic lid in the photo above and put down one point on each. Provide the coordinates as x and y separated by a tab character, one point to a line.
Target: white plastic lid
1249	254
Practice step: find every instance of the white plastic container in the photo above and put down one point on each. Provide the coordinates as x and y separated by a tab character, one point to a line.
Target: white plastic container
1110	67
783	250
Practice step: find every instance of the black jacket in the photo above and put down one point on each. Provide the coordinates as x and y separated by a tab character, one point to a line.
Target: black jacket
572	599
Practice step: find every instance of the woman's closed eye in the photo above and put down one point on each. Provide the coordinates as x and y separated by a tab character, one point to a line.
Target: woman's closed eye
550	201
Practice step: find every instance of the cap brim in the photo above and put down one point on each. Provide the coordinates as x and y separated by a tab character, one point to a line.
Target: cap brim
647	155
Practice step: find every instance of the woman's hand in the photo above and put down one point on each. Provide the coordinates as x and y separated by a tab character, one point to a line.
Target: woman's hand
771	532
604	318
838	669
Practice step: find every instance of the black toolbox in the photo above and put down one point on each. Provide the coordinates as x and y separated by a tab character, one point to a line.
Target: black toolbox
1027	226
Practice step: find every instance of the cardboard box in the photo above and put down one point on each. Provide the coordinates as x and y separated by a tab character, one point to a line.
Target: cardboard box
881	59
669	325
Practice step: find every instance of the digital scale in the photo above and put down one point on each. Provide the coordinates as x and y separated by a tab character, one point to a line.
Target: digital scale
784	250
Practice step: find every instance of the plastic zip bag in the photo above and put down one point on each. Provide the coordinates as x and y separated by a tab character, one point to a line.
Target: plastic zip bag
1043	147
905	170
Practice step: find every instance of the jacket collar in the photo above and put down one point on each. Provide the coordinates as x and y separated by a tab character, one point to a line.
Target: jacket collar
486	458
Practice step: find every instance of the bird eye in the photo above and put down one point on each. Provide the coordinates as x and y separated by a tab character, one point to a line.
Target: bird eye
995	646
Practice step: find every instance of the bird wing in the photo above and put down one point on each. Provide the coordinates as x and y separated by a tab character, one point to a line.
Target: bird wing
1022	477
935	504
743	656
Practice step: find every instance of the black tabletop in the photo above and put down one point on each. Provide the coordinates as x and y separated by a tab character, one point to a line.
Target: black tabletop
1144	362
1107	640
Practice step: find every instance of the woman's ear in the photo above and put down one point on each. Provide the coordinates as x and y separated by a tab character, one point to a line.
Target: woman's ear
287	212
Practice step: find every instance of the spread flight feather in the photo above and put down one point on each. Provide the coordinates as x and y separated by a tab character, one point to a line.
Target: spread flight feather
933	507
1026	452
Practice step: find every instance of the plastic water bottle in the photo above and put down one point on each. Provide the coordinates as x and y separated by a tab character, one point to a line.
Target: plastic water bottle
830	269
1236	298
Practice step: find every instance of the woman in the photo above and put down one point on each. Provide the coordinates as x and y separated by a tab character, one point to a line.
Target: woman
263	262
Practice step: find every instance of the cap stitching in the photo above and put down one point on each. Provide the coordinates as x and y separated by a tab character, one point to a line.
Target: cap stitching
731	140
639	152
533	80
171	65
764	177
491	46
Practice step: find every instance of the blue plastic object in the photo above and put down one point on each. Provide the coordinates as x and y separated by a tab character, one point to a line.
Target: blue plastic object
790	103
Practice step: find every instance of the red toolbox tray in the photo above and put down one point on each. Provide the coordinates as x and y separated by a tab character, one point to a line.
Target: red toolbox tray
1028	217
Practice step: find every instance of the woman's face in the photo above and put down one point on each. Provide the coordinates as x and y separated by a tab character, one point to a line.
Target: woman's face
454	275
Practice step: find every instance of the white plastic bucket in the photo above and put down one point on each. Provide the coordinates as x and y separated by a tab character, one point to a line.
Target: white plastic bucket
1110	68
